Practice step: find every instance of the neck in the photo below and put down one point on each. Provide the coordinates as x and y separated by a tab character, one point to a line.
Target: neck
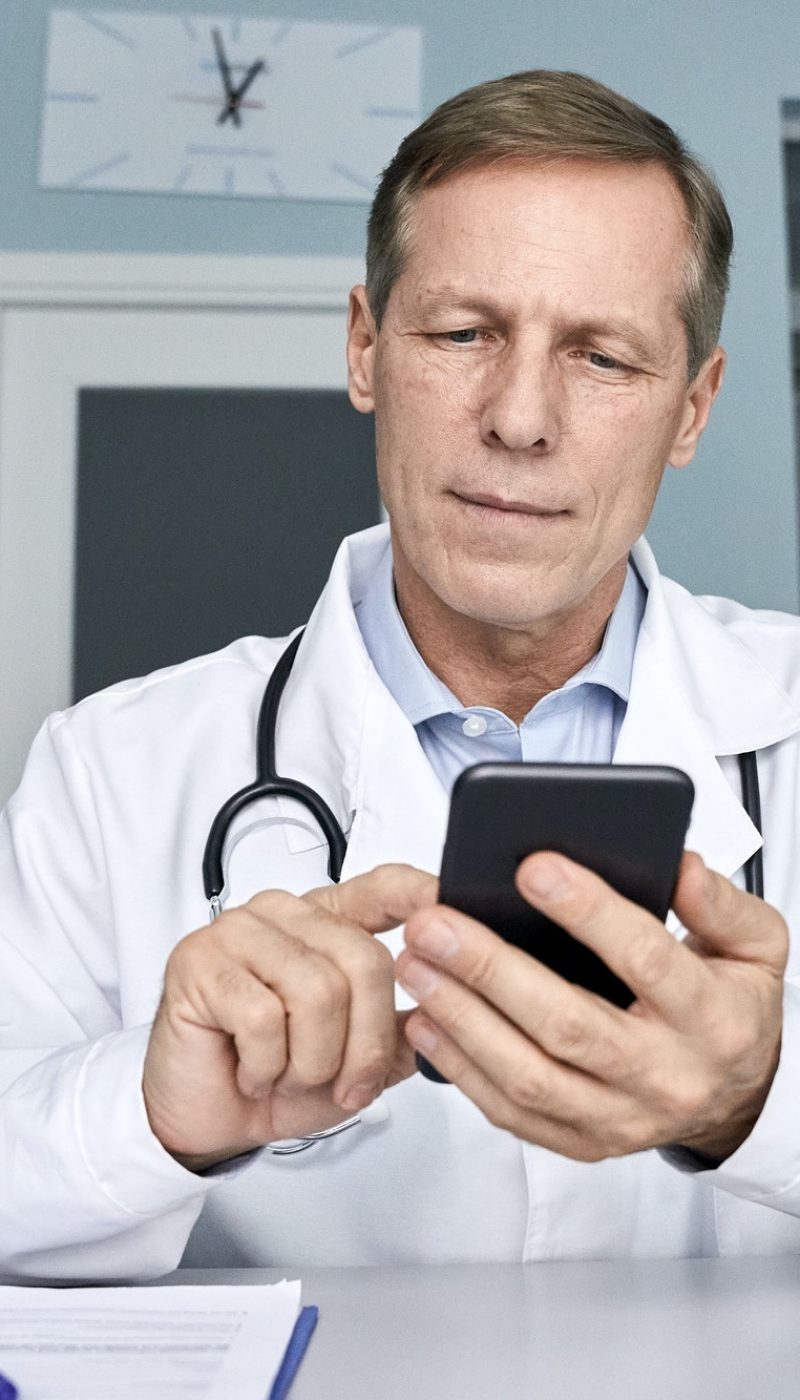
502	668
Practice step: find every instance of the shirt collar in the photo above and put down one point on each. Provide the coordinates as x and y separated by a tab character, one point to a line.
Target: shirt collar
421	695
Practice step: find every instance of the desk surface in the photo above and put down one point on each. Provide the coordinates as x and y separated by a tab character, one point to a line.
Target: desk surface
696	1329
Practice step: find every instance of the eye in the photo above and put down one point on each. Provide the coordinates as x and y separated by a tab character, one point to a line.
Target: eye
465	337
604	361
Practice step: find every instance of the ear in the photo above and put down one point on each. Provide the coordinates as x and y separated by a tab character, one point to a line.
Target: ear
362	338
699	397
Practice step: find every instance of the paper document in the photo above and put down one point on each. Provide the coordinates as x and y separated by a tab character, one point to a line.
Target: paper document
204	1342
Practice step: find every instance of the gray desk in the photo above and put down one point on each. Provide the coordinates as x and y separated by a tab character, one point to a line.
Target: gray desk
688	1329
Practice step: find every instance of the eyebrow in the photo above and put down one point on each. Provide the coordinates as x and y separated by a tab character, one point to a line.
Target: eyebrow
452	299
621	329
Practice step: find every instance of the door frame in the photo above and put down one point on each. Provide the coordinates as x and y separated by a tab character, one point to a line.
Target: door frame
74	321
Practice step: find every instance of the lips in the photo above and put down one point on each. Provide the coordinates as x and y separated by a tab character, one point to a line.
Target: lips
505	504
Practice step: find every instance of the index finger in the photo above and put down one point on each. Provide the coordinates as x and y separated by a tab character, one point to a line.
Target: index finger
660	971
379	900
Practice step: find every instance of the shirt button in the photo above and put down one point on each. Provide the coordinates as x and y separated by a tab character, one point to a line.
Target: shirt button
474	726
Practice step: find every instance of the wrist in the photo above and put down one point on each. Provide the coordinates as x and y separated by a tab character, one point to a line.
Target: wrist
204	1163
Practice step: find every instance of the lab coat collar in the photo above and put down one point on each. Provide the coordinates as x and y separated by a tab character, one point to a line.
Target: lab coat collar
697	692
737	702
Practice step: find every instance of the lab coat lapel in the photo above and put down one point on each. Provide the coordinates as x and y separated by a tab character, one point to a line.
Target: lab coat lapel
401	806
340	732
698	694
659	727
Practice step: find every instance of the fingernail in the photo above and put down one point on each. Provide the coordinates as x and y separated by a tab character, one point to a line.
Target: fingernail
437	938
418	978
359	1096
547	877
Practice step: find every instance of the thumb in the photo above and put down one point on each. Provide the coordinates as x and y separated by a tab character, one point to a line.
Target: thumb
726	922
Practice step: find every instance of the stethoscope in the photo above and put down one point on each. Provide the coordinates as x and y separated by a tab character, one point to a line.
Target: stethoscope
268	783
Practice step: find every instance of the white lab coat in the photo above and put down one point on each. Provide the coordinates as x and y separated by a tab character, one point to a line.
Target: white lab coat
100	855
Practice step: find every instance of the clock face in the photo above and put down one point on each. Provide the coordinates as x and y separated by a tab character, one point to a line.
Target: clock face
200	104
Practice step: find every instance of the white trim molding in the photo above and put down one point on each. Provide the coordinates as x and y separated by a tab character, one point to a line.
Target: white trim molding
190	280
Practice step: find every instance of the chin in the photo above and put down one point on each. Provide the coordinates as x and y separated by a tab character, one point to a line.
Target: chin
497	602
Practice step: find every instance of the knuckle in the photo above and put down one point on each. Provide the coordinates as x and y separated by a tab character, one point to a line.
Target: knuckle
481	963
569	1035
649	958
371	1063
325	987
589	902
394	873
256	1082
733	1039
368	961
313	1073
612	1059
402	885
261	1020
454	1015
270	906
530	1090
686	1098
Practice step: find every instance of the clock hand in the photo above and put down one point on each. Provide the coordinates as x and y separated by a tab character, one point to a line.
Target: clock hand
230	107
237	94
214	101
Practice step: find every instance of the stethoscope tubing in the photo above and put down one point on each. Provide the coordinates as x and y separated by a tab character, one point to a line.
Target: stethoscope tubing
268	783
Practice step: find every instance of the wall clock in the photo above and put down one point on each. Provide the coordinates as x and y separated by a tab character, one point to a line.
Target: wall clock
202	104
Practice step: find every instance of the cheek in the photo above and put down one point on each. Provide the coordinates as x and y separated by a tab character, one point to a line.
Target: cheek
416	425
438	391
616	456
629	442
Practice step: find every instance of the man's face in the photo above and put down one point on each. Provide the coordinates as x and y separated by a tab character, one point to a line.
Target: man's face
529	383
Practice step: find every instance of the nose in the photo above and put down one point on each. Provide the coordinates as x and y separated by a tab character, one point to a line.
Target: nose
520	408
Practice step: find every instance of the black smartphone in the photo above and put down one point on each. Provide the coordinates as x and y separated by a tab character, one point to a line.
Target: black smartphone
627	823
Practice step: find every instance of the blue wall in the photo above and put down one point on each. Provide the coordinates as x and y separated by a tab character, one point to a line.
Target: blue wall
716	73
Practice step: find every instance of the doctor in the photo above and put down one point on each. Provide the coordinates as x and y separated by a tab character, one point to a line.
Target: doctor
538	340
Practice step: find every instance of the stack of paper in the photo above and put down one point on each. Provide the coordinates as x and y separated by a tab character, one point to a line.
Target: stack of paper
198	1343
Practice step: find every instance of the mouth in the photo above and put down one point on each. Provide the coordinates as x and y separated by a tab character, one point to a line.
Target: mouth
501	505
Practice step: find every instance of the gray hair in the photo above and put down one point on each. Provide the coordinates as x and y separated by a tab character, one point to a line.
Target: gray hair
543	115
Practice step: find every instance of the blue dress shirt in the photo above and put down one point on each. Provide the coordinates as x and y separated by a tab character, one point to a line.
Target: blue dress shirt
578	723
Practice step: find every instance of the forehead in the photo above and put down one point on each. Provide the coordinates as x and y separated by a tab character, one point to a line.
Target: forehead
610	234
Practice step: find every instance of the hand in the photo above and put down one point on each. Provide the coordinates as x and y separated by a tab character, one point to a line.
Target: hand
689	1063
278	1019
